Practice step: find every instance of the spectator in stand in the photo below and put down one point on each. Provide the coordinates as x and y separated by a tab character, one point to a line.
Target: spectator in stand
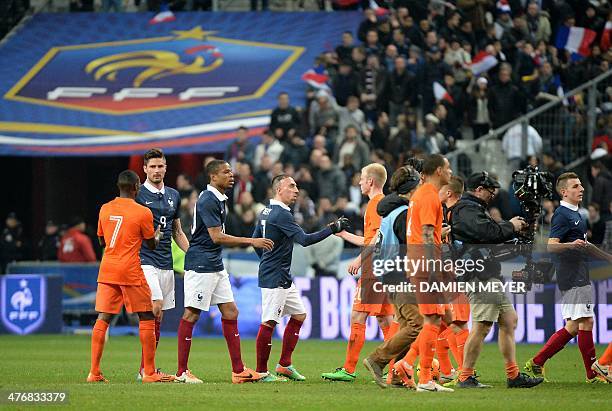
320	142
323	117
400	89
351	115
345	50
186	213
344	83
399	41
597	225
202	179
285	119
13	246
602	187
183	185
372	88
352	145
369	23
451	30
305	180
382	132
325	212
304	211
295	152
240	149
262	179
538	23
389	57
358	58
49	244
415	60
506	102
330	179
477	108
243	183
404	140
269	146
551	164
433	142
433	70
372	44
512	144
75	245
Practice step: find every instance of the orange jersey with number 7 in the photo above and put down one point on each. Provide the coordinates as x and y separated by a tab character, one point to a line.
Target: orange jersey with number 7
124	224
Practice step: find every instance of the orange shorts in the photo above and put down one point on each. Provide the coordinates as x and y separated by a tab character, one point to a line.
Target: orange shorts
461	312
430	309
110	298
373	309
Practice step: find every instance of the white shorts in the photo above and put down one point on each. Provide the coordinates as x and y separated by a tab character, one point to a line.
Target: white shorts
161	283
205	289
577	303
279	302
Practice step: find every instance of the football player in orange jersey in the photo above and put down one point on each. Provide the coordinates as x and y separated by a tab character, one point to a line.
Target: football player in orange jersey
373	178
123	224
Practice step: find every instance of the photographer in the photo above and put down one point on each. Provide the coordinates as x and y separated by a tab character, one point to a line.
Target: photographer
568	240
471	224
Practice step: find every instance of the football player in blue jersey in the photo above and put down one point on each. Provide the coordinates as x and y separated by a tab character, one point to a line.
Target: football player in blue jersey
279	295
206	280
164	203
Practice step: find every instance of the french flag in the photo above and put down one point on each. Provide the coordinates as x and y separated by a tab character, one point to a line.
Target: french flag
576	40
606	37
440	93
482	62
317	77
164	15
503	6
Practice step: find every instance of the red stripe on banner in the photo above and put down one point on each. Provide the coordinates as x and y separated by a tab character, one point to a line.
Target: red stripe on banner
141	146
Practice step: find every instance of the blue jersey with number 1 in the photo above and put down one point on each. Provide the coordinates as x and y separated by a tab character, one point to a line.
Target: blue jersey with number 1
277	223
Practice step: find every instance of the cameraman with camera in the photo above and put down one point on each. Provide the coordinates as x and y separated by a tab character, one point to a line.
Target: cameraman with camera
568	240
471	226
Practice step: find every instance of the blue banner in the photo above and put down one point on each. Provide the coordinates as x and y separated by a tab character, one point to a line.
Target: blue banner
113	84
30	304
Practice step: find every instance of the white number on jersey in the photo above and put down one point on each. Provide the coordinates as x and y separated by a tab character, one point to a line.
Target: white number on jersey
119	220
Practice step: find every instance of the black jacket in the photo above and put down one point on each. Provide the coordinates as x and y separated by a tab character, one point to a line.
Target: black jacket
471	224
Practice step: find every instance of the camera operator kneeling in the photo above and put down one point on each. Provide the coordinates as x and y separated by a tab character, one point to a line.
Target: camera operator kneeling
471	226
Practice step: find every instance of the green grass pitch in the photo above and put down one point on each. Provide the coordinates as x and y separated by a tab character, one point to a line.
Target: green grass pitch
54	363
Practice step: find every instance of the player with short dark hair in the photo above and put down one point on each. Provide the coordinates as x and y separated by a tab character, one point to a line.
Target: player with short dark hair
164	202
123	224
279	295
206	280
568	239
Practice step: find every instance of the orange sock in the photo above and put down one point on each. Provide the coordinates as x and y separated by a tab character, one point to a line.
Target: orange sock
460	339
354	346
427	349
98	336
147	340
466	373
413	352
452	345
390	331
442	346
512	370
606	358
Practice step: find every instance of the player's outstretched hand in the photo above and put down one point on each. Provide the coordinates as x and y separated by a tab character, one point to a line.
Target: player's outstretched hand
264	243
158	233
339	225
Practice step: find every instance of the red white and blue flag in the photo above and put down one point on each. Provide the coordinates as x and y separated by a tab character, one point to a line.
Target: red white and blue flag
440	93
482	62
379	11
164	15
606	37
576	40
503	6
317	77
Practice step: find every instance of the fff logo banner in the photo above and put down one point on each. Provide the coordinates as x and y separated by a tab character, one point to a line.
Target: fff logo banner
23	299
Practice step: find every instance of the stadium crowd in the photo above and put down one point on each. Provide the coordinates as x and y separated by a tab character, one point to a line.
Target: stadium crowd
376	103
